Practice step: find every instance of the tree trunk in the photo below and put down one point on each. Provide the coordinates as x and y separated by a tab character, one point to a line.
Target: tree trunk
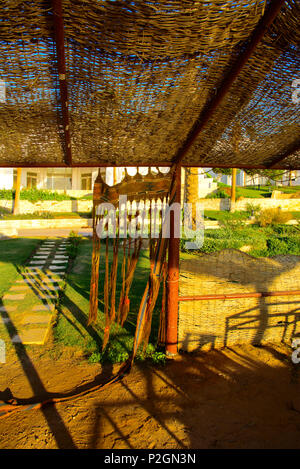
191	190
16	208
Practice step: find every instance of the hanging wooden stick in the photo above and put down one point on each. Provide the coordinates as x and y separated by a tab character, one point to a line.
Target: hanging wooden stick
94	274
161	339
113	278
124	301
123	273
106	297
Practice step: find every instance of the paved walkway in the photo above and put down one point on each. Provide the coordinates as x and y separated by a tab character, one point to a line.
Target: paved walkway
29	305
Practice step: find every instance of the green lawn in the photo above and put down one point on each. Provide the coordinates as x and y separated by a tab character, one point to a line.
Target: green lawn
224	215
45	215
255	192
13	254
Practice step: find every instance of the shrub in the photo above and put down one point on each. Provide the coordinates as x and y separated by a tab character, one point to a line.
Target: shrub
72	249
283	245
46	215
219	194
33	195
252	208
271	216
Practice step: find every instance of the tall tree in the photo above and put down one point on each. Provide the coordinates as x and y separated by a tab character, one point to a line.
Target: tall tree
16	208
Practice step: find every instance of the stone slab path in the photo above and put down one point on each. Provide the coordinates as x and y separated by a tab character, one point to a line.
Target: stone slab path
28	307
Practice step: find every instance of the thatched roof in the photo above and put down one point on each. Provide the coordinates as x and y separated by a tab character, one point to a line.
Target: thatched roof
143	82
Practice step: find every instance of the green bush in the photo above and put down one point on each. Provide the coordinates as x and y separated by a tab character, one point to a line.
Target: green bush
72	249
283	245
6	194
33	195
276	247
219	194
271	216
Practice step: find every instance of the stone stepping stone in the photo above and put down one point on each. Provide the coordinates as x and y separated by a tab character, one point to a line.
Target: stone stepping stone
16	297
35	336
52	280
56	267
39	257
43	307
37	263
20	287
16	339
34	272
28	283
58	261
7	309
36	319
47	297
6	320
60	256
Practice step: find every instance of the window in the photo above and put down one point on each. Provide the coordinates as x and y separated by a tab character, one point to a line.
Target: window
86	182
31	180
59	179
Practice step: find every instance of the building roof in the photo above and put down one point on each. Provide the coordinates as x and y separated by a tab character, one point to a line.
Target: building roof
150	82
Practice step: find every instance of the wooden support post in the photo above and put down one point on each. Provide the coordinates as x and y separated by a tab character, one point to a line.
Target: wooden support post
233	189
114	175
16	208
173	277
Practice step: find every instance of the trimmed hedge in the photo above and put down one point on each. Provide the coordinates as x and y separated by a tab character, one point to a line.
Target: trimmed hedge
34	195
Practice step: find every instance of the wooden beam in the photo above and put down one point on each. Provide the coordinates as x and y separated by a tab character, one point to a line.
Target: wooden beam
59	36
257	35
96	164
279	159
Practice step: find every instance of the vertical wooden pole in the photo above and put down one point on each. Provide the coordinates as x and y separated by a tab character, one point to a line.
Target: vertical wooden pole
173	277
233	188
17	193
114	175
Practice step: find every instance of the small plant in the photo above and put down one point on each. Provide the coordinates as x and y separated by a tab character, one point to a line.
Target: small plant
272	216
72	249
219	194
252	209
45	215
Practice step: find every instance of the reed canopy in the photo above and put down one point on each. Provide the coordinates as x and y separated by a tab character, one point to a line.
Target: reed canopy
207	83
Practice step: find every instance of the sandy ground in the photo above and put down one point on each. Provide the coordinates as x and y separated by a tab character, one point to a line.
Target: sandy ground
244	397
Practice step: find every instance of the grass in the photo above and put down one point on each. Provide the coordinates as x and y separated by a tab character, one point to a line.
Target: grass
45	215
223	215
263	241
252	192
13	254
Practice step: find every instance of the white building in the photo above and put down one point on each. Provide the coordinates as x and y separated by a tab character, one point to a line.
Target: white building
54	179
58	179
